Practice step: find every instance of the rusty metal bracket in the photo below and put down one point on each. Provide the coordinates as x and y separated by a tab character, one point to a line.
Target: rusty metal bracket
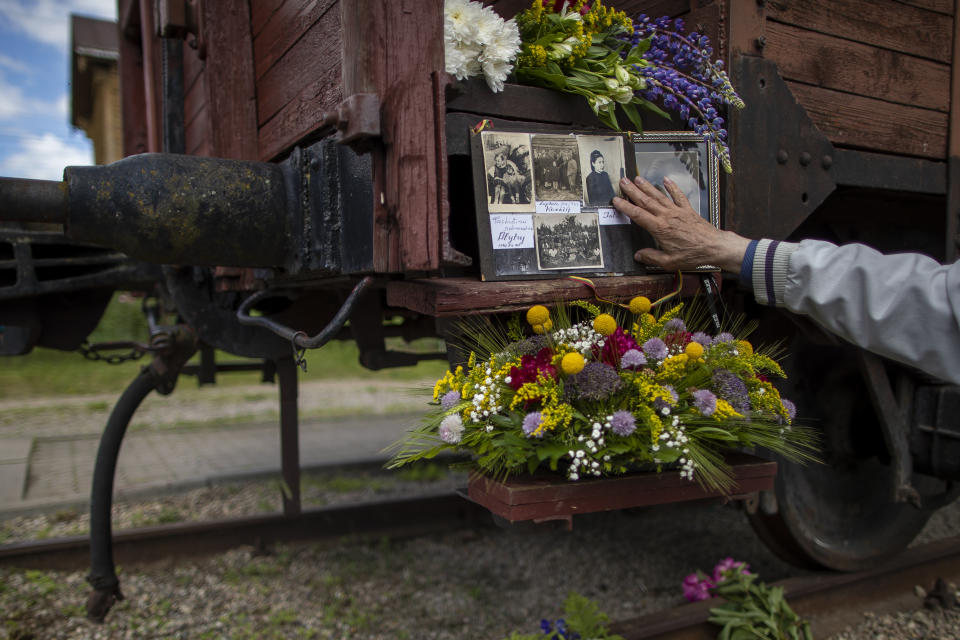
893	424
781	160
358	120
181	19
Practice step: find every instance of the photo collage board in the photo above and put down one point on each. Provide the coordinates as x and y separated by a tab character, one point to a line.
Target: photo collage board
544	199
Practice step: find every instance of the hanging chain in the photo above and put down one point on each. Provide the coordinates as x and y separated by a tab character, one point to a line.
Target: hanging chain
94	351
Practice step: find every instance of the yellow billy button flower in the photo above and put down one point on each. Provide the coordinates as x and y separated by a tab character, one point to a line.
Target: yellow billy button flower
694	350
604	324
572	363
543	328
744	347
640	304
538	314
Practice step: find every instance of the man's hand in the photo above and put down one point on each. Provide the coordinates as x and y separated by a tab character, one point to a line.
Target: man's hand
686	240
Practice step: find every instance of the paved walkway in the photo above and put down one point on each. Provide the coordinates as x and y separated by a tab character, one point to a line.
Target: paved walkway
51	472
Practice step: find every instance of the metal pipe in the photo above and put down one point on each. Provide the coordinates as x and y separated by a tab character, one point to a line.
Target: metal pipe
299	338
103	575
24	200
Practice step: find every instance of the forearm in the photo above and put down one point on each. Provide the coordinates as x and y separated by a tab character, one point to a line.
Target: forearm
904	307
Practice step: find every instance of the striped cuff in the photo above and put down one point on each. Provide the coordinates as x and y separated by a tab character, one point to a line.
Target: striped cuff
746	267
769	272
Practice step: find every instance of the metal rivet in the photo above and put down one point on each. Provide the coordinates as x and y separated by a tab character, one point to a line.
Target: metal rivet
805	158
782	156
315	164
761	42
826	162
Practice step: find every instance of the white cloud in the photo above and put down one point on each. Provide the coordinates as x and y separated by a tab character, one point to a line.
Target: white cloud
6	62
47	21
44	157
14	103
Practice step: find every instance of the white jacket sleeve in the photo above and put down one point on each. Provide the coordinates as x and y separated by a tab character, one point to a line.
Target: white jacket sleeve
903	306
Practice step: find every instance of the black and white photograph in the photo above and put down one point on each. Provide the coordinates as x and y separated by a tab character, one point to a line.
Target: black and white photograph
568	241
602	160
556	167
682	167
507	164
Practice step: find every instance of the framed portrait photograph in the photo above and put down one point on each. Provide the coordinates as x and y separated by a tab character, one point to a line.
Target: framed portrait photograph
556	167
567	241
602	160
507	166
688	160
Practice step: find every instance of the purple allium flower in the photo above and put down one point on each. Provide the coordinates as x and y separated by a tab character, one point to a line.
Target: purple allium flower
531	345
791	409
451	428
705	401
723	338
597	381
731	388
673	325
531	421
660	404
632	359
702	338
728	564
695	589
655	348
623	423
449	399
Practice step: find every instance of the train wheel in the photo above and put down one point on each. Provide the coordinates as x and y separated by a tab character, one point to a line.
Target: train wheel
840	514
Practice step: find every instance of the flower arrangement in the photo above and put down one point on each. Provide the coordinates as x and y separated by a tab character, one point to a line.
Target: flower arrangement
593	393
477	40
752	609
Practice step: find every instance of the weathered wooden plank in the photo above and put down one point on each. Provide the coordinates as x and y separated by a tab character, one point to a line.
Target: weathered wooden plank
890	25
152	90
546	497
940	6
812	58
866	123
469	296
952	219
262	10
299	117
197	135
195	99
132	100
231	88
287	24
312	58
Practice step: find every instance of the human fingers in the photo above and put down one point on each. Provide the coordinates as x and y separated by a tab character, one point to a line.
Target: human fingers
653	257
679	197
652	192
635	212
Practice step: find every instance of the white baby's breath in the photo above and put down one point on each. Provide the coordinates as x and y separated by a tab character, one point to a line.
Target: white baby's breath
477	40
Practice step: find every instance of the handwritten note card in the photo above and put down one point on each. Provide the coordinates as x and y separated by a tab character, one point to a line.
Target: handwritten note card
511	231
612	216
558	206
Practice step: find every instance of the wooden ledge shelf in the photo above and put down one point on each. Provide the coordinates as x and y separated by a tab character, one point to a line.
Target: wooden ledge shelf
469	296
544	497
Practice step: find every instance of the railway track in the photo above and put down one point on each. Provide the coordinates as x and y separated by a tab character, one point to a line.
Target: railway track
831	601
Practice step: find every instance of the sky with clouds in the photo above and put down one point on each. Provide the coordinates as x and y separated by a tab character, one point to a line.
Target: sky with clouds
36	137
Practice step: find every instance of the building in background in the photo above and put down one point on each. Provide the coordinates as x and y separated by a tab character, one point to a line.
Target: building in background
95	86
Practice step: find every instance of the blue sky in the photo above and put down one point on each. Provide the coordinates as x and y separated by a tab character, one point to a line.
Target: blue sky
36	138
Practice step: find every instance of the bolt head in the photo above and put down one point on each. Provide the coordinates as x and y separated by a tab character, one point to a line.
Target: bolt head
782	156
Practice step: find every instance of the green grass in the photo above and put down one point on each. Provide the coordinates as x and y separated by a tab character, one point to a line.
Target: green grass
47	372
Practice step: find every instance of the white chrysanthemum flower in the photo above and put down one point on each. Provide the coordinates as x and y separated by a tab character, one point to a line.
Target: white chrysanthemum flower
451	429
477	40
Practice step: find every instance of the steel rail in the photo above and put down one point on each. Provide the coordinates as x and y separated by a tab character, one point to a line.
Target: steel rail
401	517
830	601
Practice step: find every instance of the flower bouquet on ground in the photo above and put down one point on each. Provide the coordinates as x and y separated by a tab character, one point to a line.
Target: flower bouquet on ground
589	393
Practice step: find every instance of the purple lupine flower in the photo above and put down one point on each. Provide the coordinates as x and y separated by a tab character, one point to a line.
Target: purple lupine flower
449	399
704	401
597	381
695	589
728	564
731	388
702	338
723	338
655	348
530	423
632	359
623	423
673	325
